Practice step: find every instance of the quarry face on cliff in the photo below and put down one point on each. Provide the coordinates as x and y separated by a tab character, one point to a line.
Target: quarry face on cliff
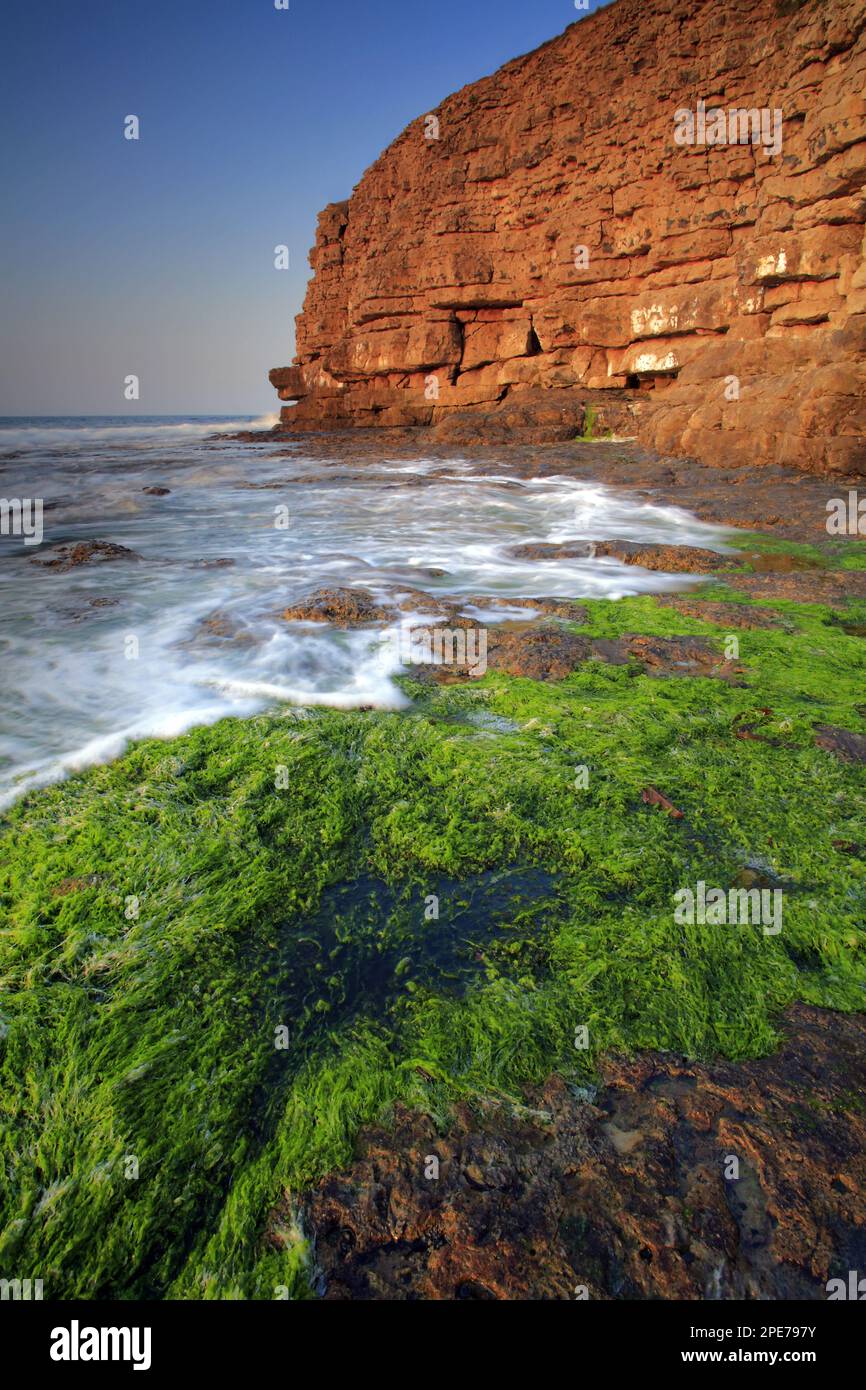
659	213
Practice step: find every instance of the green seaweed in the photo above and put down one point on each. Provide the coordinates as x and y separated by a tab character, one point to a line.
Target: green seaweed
590	420
831	552
151	1121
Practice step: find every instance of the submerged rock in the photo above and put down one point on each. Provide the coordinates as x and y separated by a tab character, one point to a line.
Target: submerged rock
220	626
357	607
342	607
71	555
668	559
553	607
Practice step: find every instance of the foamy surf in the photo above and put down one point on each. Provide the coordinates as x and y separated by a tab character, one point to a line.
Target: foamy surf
188	628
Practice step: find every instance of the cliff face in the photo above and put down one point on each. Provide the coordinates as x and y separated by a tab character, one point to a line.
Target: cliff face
660	212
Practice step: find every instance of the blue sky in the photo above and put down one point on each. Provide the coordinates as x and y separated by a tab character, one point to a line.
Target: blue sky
155	257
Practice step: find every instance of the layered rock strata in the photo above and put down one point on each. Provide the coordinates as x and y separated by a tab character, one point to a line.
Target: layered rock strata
652	224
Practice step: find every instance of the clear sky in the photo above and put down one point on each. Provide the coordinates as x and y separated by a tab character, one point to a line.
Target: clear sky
156	257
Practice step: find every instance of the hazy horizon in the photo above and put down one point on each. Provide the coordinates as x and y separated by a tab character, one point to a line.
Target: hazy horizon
155	257
140	415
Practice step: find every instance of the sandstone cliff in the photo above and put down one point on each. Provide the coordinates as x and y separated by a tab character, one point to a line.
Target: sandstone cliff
544	240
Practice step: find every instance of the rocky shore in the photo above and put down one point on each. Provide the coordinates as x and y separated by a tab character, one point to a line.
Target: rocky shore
623	1188
436	905
551	250
776	500
539	972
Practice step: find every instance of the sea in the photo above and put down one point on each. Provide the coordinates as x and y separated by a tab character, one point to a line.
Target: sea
189	629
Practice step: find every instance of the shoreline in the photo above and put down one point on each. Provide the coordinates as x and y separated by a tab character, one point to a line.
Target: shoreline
791	502
549	811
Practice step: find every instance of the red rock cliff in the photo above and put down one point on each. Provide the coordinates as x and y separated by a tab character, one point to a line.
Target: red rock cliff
547	236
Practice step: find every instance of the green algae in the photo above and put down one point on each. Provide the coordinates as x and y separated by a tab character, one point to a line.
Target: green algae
209	984
831	552
590	433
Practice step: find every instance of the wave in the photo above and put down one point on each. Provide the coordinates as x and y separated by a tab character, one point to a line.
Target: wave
206	599
144	430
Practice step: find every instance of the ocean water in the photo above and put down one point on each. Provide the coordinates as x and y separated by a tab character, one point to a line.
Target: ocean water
104	653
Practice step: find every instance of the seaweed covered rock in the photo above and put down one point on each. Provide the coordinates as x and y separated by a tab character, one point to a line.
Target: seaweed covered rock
672	1179
256	940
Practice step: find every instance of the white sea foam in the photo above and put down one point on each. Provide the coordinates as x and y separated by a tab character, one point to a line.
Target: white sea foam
70	697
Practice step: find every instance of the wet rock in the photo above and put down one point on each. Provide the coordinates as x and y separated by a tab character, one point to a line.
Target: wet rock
831	588
317	479
91	609
550	652
552	607
70	556
410	600
777	498
612	650
666	559
540	653
157	491
726	615
679	656
548	550
220	626
342	607
783	563
630	1195
847	746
